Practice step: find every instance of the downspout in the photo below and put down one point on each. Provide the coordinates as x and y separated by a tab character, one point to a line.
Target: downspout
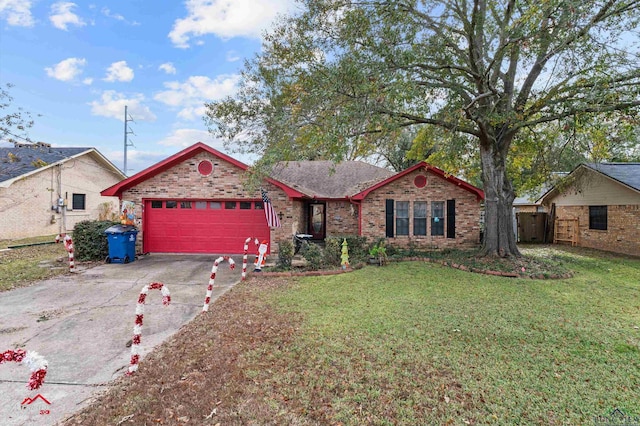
359	204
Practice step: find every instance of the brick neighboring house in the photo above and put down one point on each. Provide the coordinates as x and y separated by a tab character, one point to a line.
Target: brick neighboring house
194	202
46	190
605	200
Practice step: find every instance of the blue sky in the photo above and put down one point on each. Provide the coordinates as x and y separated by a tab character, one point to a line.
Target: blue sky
77	64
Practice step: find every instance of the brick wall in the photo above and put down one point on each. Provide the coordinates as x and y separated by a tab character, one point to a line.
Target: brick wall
342	218
623	228
437	189
183	181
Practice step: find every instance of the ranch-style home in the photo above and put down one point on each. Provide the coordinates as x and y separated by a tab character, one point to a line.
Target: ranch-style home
46	190
194	202
598	206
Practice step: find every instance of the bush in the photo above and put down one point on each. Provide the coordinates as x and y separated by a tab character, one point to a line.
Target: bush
285	254
89	240
358	248
313	254
332	251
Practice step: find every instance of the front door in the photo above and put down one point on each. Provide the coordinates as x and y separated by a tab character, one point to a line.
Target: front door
317	221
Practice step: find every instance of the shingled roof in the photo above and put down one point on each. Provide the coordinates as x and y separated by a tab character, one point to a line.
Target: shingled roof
326	179
24	159
625	173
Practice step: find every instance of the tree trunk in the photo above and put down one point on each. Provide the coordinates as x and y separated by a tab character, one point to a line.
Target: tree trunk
499	238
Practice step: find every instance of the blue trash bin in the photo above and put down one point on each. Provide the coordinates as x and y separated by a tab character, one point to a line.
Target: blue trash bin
122	243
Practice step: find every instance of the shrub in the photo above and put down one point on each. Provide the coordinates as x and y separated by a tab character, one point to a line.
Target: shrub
90	241
285	254
332	251
358	248
314	255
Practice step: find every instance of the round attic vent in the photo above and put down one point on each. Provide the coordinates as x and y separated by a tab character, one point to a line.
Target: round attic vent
420	181
205	167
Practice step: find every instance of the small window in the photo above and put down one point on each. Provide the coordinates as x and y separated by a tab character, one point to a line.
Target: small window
402	218
201	205
598	217
185	204
420	218
171	204
259	205
215	205
437	218
78	201
230	205
156	204
245	205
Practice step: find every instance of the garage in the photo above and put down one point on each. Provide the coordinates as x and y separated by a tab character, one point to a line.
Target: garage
202	226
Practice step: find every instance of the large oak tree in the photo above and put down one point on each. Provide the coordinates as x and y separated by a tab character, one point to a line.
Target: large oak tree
338	74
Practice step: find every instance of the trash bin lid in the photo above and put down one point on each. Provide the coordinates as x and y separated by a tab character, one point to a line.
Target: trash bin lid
120	229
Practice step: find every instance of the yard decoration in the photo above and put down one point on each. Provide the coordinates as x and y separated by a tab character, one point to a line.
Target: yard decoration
262	256
344	258
212	278
137	328
68	245
244	258
36	363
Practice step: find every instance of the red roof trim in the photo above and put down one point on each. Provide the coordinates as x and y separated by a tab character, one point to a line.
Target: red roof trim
432	169
117	189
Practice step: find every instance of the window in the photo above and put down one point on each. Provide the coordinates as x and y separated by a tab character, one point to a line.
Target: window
437	218
171	204
215	205
185	204
201	205
156	204
229	205
420	218
598	217
245	205
402	218
78	201
259	205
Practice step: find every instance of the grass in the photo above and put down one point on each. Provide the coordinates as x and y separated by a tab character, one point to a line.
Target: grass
23	266
410	343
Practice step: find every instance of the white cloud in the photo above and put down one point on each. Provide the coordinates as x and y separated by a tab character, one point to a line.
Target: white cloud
232	56
62	16
226	19
112	103
119	71
191	95
66	70
87	81
118	17
183	138
17	12
168	68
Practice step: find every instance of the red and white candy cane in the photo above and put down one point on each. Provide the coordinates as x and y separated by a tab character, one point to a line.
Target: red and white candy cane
68	245
244	258
212	279
36	363
137	329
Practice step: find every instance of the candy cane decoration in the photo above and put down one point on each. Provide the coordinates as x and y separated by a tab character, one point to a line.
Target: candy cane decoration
137	329
36	363
212	279
68	245
244	258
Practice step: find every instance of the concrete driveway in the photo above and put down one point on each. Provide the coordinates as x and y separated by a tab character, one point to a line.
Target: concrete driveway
81	324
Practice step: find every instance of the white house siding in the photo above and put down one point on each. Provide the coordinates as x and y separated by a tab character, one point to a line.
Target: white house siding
594	189
25	206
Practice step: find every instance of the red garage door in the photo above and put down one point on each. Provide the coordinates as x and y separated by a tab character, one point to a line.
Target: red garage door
202	226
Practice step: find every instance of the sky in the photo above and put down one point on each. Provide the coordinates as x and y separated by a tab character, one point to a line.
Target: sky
75	65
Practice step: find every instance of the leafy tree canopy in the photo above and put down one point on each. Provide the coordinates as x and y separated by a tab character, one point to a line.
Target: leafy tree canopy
491	82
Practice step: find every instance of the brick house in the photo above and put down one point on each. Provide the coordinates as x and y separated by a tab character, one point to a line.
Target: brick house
195	202
603	200
46	190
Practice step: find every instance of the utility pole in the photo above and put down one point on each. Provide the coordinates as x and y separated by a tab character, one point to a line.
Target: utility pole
127	131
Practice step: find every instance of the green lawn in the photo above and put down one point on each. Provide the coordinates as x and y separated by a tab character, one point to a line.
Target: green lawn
417	343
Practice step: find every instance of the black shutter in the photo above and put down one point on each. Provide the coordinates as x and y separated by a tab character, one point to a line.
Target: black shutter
389	217
451	218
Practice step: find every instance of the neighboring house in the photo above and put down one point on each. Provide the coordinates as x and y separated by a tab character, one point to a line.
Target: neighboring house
46	190
195	202
604	200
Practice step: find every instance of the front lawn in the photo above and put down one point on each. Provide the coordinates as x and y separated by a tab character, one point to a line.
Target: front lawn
409	343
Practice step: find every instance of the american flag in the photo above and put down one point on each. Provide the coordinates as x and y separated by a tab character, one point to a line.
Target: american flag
269	212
